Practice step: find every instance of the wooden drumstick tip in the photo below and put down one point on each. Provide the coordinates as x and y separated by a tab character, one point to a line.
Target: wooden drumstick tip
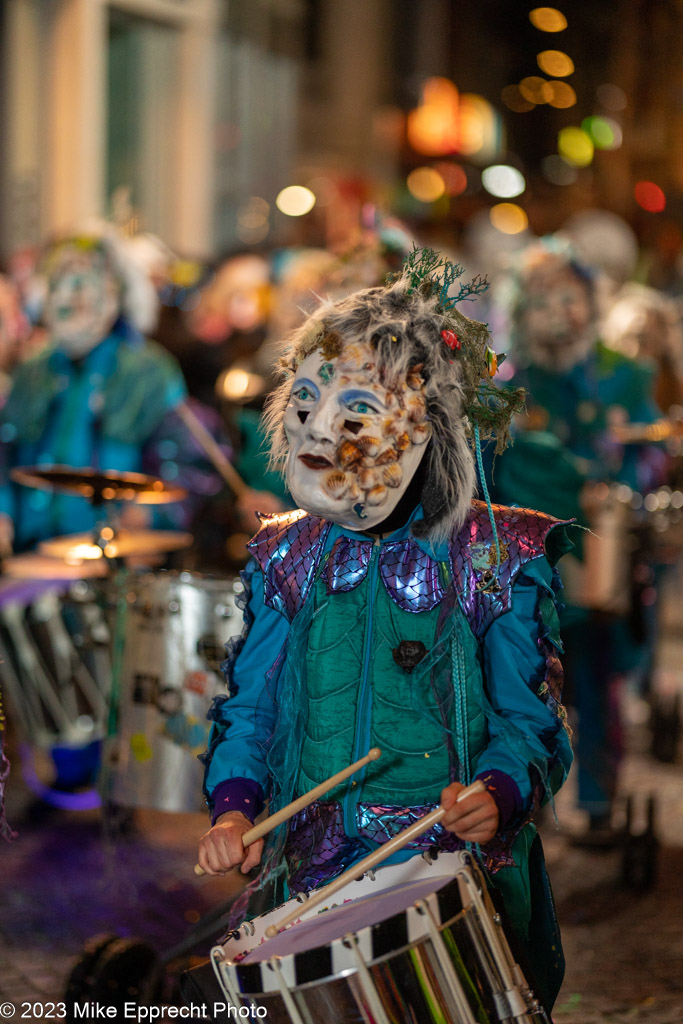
271	931
374	754
476	787
199	871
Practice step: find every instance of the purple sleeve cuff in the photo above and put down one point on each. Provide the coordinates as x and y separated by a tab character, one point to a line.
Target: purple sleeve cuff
243	795
505	792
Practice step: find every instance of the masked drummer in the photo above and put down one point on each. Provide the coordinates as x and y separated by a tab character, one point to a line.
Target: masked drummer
579	393
392	610
95	396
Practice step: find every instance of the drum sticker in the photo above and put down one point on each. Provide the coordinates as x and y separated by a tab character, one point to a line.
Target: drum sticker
211	651
198	682
140	747
170	701
145	688
186	731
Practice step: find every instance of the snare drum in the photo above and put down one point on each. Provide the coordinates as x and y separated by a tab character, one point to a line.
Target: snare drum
403	945
176	625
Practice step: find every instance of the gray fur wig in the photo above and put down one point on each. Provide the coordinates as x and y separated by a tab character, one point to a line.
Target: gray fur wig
403	324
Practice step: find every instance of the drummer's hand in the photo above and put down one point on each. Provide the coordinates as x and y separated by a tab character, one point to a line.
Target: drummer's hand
6	535
221	848
474	819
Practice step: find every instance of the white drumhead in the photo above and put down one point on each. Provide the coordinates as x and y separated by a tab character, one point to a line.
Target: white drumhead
352	916
252	934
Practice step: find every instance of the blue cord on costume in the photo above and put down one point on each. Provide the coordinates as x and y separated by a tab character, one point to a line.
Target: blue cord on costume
482	477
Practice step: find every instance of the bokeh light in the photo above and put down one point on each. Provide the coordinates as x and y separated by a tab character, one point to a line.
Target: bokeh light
650	196
575	146
252	220
555	63
535	89
503	181
611	97
447	123
605	132
548	19
426	184
454	177
557	171
560	94
433	127
509	218
295	200
474	114
513	99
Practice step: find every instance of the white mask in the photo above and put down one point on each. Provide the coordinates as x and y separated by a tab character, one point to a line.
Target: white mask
557	320
83	301
354	444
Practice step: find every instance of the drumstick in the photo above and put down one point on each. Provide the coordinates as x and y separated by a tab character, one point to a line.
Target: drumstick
212	449
285	813
372	860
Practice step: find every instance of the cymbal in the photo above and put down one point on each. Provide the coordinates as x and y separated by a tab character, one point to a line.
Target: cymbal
98	485
120	545
33	566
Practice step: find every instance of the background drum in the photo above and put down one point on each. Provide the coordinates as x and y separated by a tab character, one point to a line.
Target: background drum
176	625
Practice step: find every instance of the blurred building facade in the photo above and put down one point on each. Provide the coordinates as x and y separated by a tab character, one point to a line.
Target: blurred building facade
178	110
195	113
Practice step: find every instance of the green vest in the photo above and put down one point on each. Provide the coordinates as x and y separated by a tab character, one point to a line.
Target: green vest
357	696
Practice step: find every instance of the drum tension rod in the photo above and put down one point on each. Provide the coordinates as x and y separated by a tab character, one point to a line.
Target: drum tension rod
287	999
221	968
366	983
462	1006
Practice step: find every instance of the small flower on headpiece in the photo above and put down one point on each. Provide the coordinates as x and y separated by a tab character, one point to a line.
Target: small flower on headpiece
491	362
451	339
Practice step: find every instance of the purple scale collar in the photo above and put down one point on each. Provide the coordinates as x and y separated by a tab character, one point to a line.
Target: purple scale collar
290	546
412	578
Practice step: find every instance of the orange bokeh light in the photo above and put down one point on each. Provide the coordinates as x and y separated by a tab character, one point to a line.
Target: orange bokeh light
433	127
447	123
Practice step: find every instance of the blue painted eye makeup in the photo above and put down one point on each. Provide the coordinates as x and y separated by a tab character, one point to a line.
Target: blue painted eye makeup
305	391
363	403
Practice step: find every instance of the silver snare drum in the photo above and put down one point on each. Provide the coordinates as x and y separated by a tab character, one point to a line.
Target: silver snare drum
176	625
426	949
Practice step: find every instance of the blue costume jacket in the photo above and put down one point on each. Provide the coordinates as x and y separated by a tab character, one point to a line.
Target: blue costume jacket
100	412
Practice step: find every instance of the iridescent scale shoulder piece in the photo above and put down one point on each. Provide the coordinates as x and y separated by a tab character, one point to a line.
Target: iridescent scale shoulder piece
288	548
522	534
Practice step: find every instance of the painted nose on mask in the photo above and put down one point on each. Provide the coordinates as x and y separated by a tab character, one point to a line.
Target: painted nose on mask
321	424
